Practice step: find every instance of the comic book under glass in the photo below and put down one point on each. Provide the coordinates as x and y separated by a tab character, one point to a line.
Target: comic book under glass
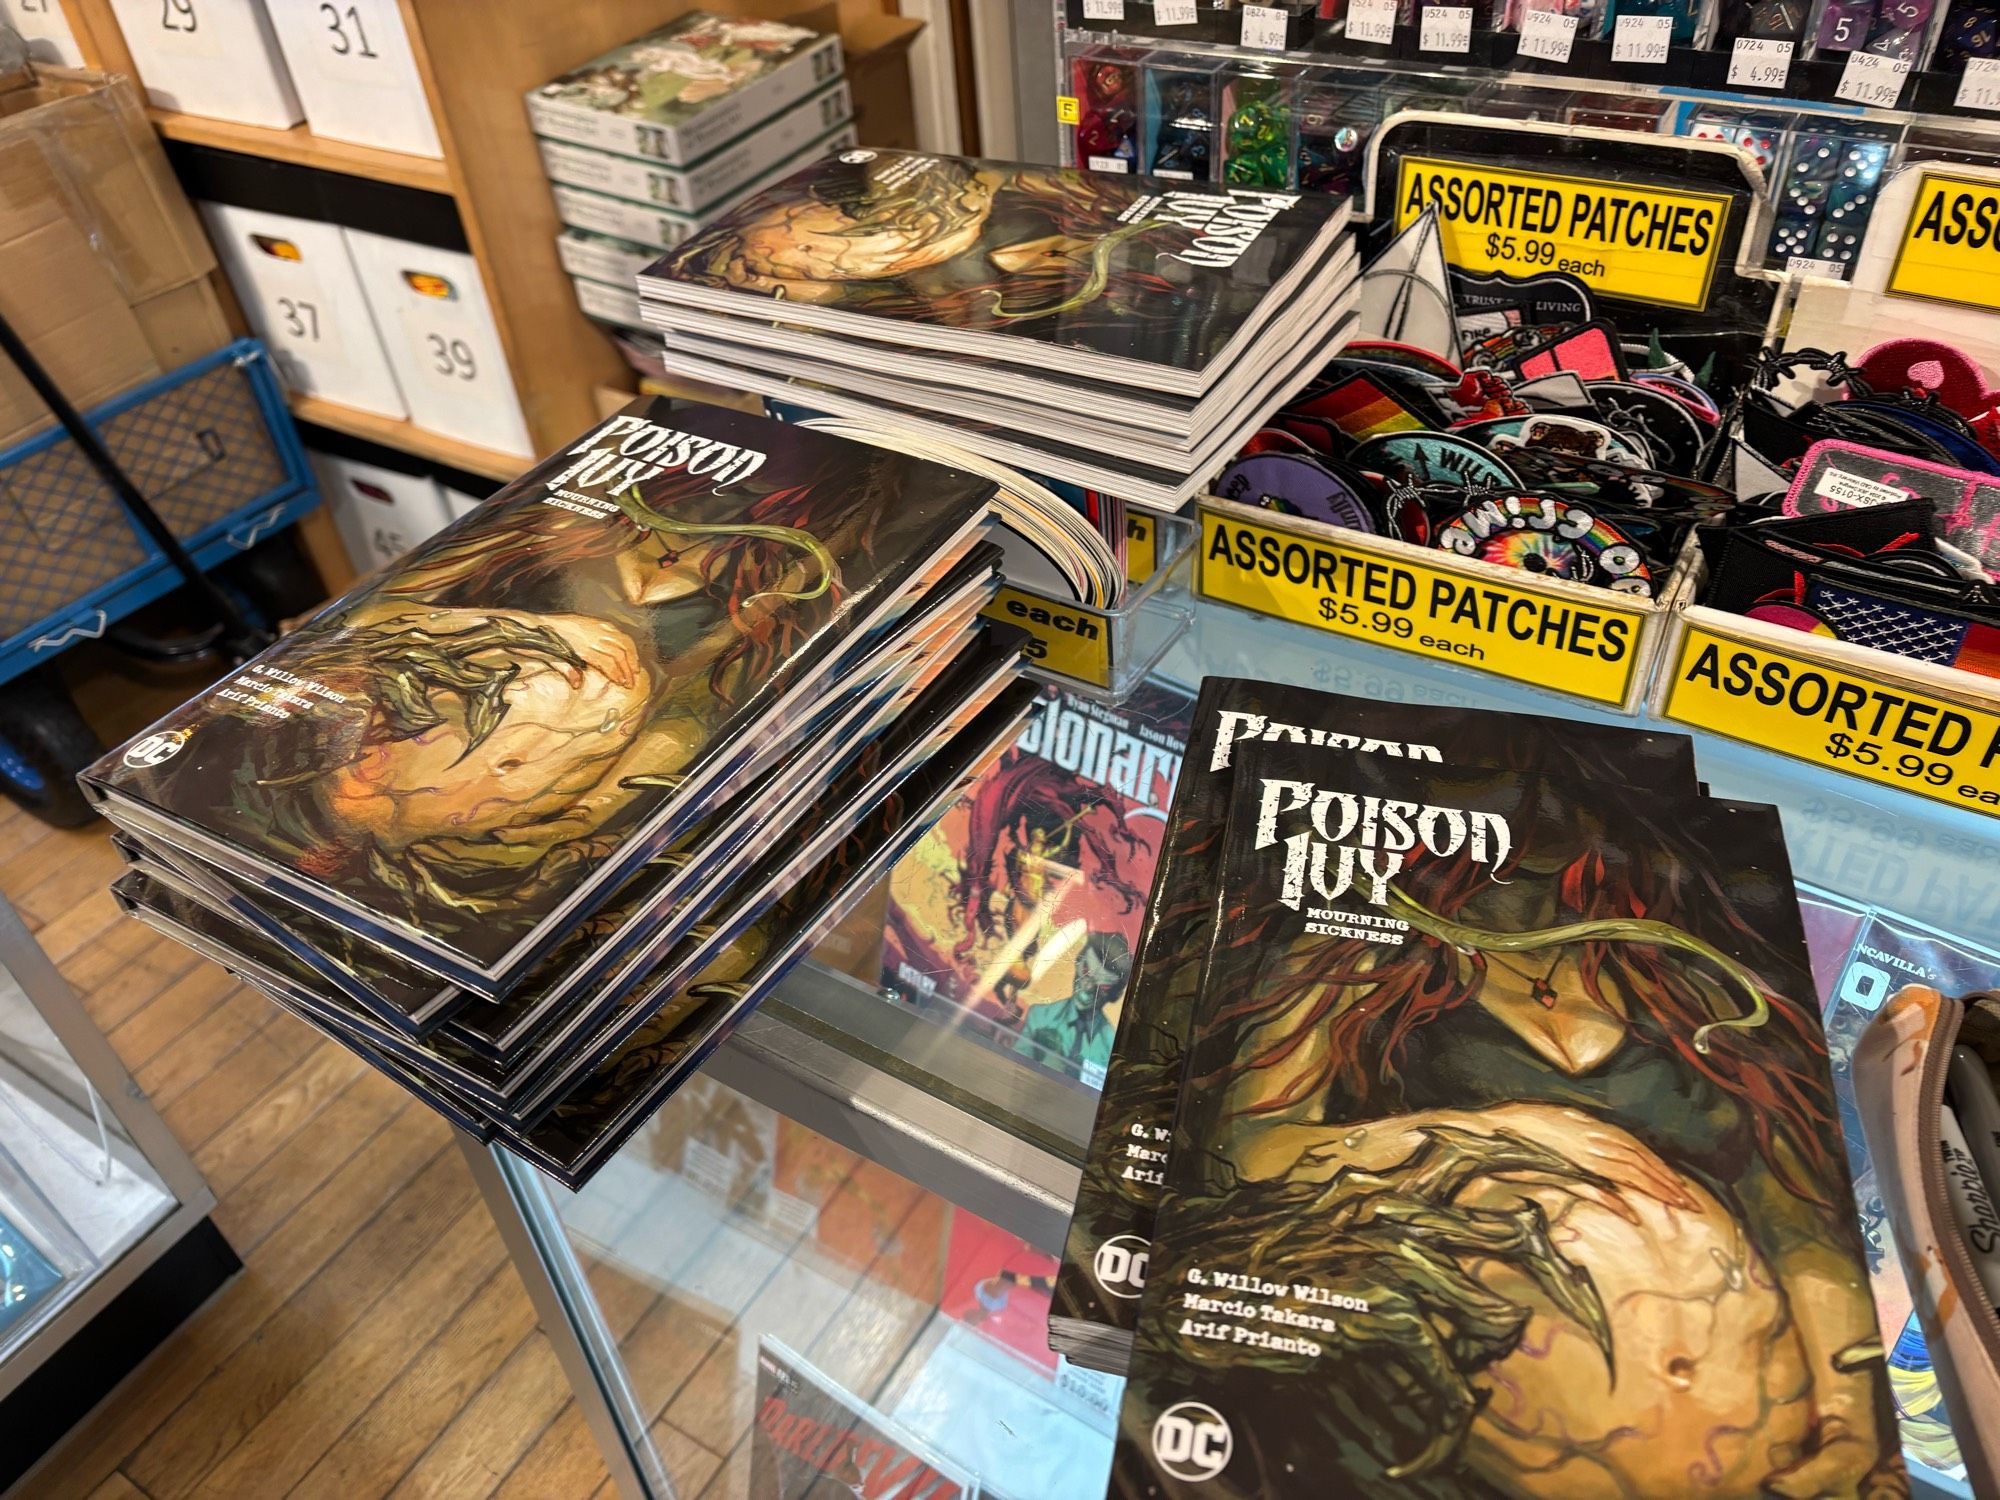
1016	916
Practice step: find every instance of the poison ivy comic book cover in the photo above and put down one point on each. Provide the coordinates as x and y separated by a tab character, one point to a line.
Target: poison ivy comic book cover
751	945
1105	1255
1017	914
1158	282
466	753
940	629
1509	1162
682	937
814	1440
1869	955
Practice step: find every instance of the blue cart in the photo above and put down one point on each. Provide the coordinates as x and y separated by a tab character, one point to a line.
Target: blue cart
213	448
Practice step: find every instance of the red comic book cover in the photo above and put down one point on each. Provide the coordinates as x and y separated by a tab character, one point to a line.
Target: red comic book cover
1017	915
999	1284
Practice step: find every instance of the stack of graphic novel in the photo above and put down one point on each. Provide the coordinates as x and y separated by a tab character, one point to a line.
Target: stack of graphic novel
1126	334
530	819
1469	1129
647	142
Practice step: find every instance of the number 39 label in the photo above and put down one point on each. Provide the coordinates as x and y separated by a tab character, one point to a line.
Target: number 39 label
445	339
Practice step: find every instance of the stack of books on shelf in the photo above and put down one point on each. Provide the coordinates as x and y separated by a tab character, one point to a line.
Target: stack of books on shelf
1121	333
533	817
644	144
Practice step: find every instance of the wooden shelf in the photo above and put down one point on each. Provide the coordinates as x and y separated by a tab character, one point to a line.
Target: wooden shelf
300	146
492	169
393	432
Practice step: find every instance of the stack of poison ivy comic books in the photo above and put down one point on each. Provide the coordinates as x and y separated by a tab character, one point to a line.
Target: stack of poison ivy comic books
530	819
1121	333
1469	1129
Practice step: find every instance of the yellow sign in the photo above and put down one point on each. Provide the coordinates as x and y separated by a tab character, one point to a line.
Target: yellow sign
1067	110
1142	546
1648	244
1951	243
1869	727
1068	641
1531	635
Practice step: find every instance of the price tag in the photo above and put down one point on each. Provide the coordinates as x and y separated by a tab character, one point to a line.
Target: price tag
1173	12
1884	729
1371	21
1104	10
1109	164
1547	34
1872	80
1434	610
1759	63
1642	39
1445	28
1980	87
1808	265
1263	28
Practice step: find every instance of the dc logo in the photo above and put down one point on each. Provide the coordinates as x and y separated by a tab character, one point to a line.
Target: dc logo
1192	1442
1120	1265
157	748
856	158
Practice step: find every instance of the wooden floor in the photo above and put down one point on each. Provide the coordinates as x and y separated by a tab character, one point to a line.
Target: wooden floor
377	1342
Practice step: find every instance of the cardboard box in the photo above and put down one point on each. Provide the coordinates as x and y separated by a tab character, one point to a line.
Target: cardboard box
356	74
698	188
211	57
443	344
606	103
460	504
103	266
303	296
878	76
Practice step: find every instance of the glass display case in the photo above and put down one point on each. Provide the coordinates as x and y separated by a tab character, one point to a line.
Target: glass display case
104	1235
866	1185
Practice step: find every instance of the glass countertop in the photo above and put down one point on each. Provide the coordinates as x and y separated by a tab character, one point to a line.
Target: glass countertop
800	1229
1868	847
